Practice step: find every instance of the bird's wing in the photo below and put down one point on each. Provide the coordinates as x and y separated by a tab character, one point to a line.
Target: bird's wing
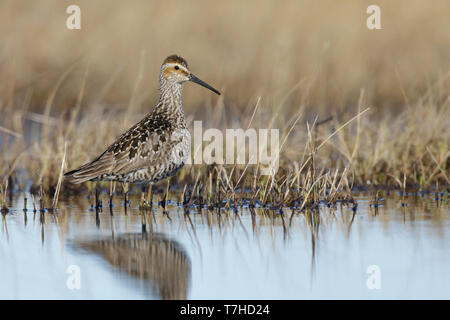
145	144
145	150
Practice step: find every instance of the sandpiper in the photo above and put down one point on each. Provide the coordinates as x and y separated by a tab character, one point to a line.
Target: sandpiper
156	147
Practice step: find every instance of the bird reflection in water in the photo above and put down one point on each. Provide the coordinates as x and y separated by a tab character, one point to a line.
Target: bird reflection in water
152	258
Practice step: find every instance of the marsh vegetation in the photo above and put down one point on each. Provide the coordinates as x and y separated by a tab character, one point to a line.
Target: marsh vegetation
356	108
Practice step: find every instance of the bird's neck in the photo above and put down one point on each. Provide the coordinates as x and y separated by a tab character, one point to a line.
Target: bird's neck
171	100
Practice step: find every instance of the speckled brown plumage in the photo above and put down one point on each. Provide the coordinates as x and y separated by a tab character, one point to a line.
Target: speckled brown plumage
156	147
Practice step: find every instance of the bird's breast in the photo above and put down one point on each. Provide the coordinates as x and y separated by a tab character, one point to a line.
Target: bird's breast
181	150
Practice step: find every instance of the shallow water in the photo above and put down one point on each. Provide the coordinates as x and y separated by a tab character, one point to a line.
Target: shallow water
78	254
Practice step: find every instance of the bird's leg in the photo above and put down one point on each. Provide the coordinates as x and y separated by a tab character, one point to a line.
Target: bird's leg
98	203
125	195
97	218
112	188
143	208
166	199
149	197
142	202
143	219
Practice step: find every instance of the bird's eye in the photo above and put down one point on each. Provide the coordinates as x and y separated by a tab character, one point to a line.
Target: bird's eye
177	67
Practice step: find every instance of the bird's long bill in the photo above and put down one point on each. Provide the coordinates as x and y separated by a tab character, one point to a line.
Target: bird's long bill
200	82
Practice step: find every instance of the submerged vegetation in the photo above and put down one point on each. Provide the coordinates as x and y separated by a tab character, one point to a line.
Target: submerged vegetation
59	109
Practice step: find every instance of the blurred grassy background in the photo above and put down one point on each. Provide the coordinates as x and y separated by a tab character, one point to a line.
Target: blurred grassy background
245	48
314	55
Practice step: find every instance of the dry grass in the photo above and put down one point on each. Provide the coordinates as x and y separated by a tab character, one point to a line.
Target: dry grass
300	58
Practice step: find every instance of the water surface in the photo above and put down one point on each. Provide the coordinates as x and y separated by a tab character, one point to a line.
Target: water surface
224	255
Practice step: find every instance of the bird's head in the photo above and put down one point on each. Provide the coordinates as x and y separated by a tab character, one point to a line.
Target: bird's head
175	69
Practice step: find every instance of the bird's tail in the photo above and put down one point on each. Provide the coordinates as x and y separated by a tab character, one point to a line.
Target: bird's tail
82	174
89	171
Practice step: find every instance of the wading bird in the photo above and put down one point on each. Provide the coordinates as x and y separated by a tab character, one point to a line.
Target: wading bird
156	147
